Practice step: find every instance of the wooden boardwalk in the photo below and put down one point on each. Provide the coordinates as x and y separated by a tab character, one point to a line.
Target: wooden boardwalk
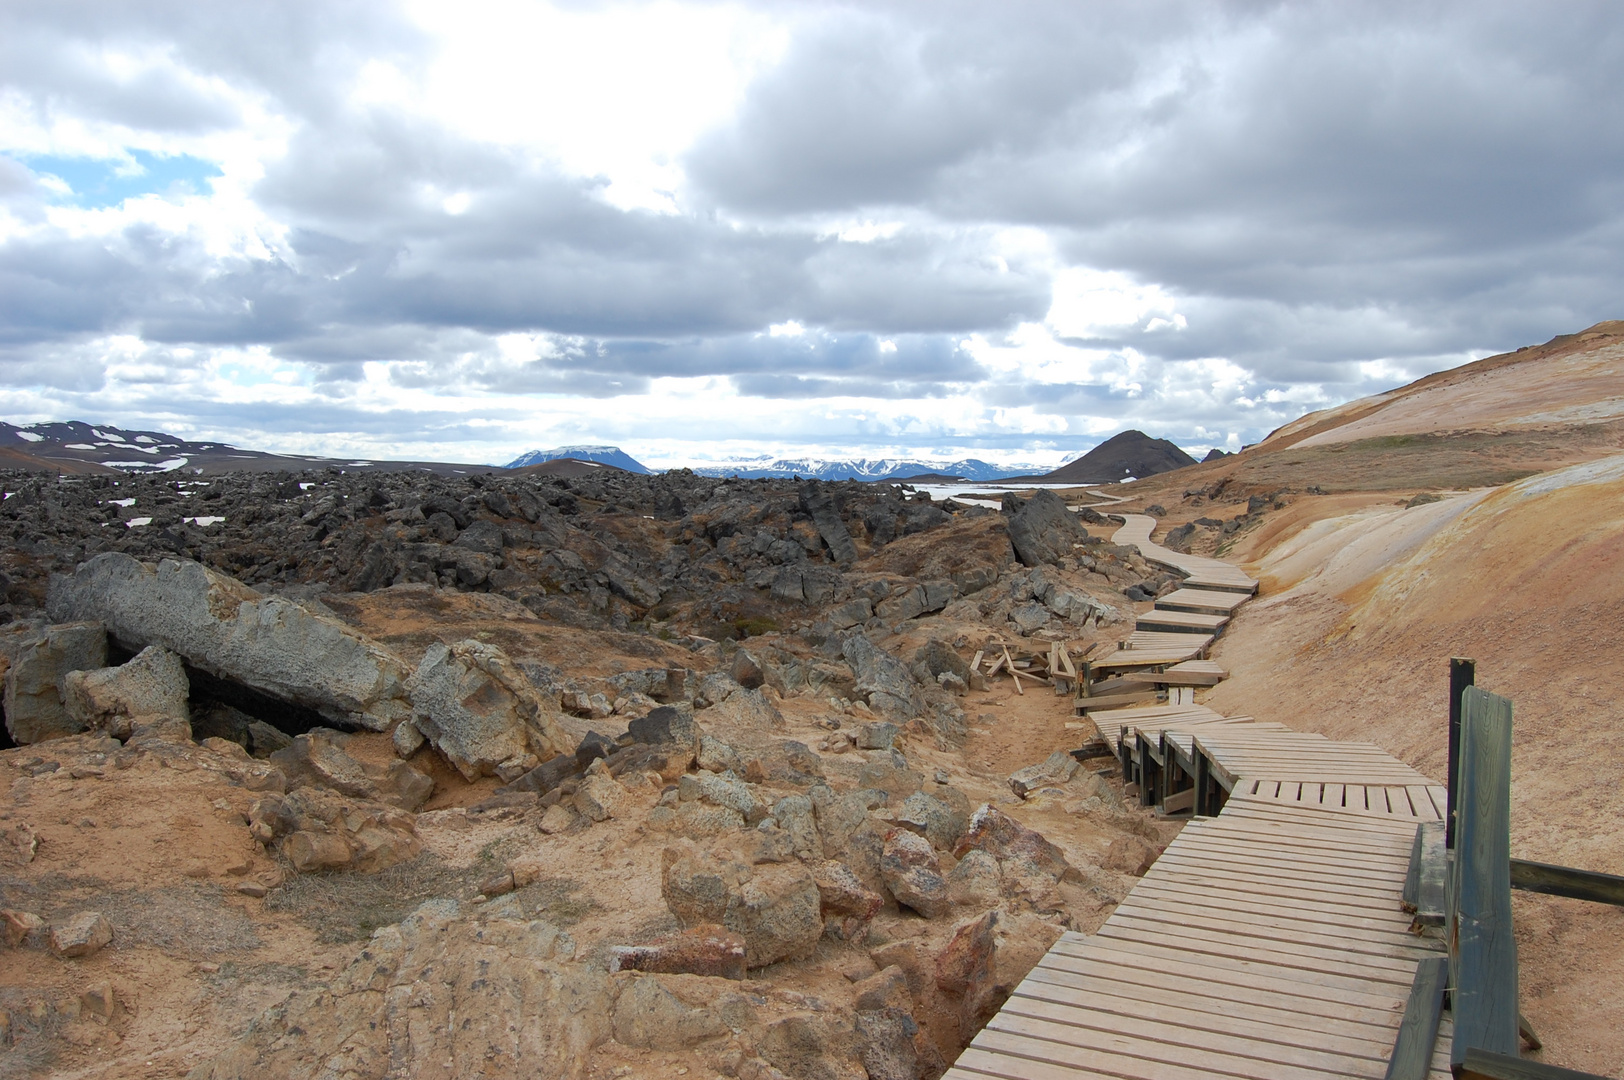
1268	941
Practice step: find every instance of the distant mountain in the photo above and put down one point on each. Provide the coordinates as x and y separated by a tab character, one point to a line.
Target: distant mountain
863	469
603	455
568	468
76	447
1125	456
1214	454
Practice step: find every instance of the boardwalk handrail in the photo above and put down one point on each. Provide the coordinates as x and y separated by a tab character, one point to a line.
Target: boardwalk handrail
1482	951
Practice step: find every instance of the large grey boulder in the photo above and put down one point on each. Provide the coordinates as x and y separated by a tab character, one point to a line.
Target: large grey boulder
476	707
34	708
153	686
223	627
820	506
1043	530
882	680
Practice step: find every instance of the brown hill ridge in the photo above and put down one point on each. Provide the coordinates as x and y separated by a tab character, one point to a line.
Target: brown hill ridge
1124	456
1489	422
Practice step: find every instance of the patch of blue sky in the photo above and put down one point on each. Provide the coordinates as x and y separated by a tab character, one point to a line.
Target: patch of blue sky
100	182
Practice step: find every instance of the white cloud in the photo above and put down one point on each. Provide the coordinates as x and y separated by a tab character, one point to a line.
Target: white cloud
865	228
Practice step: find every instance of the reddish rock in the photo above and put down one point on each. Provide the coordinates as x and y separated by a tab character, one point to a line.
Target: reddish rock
81	935
707	949
1006	839
987	958
24	929
843	896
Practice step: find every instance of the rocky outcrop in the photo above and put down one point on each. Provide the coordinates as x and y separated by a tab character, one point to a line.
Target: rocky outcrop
820	506
776	909
477	708
318	758
39	663
267	643
987	958
151	687
882	680
1042	530
436	995
319	829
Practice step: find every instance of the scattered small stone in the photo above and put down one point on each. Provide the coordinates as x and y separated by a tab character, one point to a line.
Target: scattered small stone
100	1000
24	929
85	933
1053	770
252	888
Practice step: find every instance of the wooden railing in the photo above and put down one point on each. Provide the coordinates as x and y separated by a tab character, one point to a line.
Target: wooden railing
1461	876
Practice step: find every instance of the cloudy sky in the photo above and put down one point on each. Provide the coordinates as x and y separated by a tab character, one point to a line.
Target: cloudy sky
700	231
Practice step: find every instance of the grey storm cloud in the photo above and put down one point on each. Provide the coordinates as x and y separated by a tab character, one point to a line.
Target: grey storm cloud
1312	186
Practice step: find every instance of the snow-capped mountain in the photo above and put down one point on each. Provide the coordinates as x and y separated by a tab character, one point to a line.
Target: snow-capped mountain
604	455
866	469
76	447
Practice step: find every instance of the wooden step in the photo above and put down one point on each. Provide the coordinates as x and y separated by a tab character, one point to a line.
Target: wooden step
1181	622
1201	601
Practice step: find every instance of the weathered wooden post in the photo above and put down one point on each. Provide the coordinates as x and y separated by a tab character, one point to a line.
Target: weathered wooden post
1482	949
1462	673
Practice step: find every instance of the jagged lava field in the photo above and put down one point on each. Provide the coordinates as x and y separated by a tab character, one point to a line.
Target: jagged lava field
373	772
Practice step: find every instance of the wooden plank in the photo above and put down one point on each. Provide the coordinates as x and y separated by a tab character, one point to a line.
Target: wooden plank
1244	989
1373	931
1298	909
1418	1032
1171	1044
1566	881
1372	888
1462	673
1324	897
1150	1060
1429	866
1242	970
1244	804
1201	600
1483	968
1389	876
1195	1007
1311	860
1179	802
1114	701
1255	829
1391	949
1286	946
1065	661
1487	1065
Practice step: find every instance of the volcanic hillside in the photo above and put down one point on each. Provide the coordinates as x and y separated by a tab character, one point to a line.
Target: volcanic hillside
1478	512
